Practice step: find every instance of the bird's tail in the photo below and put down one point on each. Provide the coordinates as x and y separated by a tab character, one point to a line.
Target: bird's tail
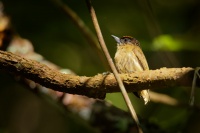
144	94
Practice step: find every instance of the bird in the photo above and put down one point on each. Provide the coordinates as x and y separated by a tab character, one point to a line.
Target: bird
129	58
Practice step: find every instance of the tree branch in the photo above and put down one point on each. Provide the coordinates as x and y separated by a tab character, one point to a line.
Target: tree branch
100	84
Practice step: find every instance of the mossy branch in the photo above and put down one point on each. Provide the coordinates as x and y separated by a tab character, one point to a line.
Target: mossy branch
98	85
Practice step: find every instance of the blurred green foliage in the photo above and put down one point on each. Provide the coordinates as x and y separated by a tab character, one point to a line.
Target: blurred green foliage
169	32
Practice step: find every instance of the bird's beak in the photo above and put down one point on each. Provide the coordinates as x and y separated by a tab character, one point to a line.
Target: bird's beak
117	39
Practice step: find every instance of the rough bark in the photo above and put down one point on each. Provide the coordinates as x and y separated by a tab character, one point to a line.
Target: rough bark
98	85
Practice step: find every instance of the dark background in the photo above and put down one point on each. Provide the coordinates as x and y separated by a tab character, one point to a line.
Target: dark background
167	30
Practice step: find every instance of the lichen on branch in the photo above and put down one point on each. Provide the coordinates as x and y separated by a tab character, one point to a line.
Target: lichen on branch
98	85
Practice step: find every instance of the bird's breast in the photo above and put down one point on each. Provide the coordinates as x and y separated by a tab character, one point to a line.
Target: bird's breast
127	61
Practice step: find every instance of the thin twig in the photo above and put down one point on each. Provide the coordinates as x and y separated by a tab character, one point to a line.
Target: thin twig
111	64
196	74
164	99
87	33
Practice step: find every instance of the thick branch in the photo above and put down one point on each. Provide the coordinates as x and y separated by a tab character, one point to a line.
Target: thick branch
98	85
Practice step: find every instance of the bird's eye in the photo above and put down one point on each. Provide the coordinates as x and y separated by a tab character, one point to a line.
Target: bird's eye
126	40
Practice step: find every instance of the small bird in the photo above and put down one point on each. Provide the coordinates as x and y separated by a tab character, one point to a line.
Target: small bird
129	58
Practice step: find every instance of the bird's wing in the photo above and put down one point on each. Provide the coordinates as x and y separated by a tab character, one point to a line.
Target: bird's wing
141	59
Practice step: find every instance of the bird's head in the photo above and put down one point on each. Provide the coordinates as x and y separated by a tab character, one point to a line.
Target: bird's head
126	40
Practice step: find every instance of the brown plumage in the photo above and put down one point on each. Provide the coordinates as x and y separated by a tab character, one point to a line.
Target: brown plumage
130	58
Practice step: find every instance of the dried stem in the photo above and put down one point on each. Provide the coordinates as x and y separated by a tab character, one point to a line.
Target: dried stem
111	64
87	33
196	74
163	98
